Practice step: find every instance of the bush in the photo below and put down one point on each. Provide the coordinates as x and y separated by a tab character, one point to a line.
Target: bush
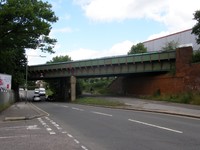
196	56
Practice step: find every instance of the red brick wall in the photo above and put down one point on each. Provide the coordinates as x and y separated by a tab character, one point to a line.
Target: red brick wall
186	78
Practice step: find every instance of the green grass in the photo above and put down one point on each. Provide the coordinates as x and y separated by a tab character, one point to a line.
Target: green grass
185	98
98	102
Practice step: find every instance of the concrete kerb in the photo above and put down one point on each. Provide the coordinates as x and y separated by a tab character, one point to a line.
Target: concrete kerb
165	112
148	110
40	112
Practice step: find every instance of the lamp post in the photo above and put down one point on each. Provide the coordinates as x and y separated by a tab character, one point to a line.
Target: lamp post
26	82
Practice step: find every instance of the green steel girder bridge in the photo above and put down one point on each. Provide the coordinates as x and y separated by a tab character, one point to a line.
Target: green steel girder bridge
108	66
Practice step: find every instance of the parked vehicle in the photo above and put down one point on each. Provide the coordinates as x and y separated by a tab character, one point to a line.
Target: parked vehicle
42	92
36	96
39	94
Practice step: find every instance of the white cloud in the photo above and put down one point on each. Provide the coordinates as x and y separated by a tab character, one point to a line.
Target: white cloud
61	30
175	14
117	49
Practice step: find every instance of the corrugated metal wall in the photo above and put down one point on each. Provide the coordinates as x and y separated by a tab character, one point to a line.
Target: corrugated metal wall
184	38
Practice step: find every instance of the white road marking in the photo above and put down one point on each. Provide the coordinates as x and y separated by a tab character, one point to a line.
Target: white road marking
34	127
152	125
49	129
75	140
20	127
70	135
59	128
66	106
99	113
83	147
64	132
52	133
10	137
77	109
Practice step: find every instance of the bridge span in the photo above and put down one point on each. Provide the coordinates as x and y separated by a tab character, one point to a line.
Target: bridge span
108	66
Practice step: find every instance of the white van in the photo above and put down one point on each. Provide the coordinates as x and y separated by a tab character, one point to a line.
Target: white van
42	93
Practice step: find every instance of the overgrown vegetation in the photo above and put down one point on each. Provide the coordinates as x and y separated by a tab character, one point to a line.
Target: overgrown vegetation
96	85
196	56
98	102
138	48
172	45
196	28
185	98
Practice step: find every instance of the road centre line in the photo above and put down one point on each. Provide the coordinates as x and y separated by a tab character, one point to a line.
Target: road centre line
99	113
75	140
152	125
10	137
66	106
83	147
77	109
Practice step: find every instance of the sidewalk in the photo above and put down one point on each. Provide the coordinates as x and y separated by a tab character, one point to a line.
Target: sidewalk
160	107
21	111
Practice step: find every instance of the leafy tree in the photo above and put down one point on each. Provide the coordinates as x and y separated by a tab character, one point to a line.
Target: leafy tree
196	28
139	48
196	56
172	45
60	59
24	24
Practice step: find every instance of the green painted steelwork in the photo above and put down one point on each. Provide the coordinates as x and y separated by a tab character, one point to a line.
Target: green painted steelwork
127	64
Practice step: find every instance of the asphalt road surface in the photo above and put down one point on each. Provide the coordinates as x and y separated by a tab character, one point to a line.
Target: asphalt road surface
112	129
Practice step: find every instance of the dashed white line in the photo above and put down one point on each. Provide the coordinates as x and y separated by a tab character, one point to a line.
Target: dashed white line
52	133
77	109
49	129
70	135
83	147
66	106
75	140
64	132
152	125
99	113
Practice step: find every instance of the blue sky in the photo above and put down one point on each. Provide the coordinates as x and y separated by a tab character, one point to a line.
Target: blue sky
89	29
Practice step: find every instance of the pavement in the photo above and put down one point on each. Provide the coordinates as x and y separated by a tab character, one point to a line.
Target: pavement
27	111
21	111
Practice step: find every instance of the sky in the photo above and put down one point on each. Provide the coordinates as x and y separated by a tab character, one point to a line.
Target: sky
89	29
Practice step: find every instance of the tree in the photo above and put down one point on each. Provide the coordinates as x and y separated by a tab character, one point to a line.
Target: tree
59	59
24	24
139	48
172	45
196	28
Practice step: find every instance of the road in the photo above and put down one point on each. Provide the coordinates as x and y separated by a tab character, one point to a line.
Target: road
99	128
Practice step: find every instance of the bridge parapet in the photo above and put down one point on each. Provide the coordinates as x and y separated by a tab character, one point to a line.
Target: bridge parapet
134	63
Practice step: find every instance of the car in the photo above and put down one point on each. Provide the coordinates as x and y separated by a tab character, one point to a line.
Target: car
36	96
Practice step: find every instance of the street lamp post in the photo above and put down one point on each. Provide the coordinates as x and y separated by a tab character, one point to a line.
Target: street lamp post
26	82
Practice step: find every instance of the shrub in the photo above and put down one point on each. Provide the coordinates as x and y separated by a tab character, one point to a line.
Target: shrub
196	56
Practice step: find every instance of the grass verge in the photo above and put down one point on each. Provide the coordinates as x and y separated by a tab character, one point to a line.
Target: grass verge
185	98
98	102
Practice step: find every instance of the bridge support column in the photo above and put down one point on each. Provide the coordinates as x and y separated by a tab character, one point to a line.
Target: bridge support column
73	88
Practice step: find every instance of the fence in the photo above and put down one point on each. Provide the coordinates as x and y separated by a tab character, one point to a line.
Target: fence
6	99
